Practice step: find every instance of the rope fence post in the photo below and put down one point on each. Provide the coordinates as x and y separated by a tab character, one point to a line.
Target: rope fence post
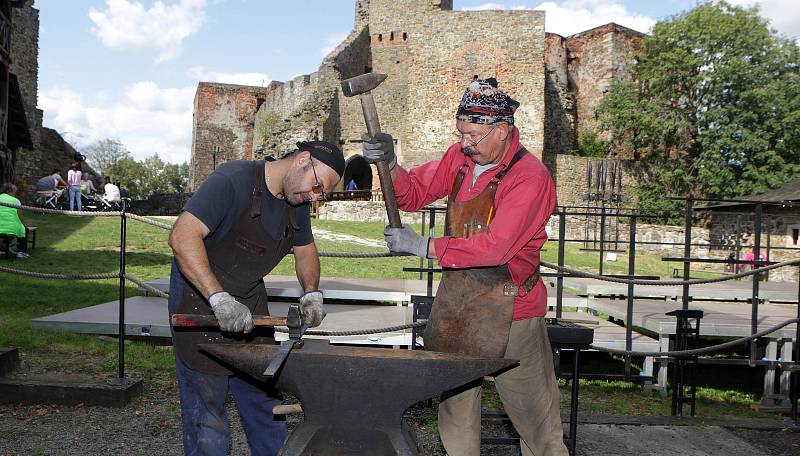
755	299
629	310
121	323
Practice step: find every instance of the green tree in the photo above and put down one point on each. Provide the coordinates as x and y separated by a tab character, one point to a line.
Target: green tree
590	144
104	153
716	109
149	176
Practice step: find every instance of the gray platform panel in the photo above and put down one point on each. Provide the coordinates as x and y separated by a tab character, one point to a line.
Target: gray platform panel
720	319
730	290
148	316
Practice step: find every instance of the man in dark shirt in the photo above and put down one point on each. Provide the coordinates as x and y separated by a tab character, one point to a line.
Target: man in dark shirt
233	231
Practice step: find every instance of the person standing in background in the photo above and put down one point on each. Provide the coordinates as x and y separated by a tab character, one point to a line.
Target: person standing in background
74	181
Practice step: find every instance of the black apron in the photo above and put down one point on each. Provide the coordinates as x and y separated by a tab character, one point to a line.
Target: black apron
240	261
474	307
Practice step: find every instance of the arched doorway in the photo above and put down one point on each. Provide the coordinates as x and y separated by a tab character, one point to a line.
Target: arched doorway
359	171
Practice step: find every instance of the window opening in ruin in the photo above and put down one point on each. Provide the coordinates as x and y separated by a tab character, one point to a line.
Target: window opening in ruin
391	36
405	36
380	37
794	236
259	102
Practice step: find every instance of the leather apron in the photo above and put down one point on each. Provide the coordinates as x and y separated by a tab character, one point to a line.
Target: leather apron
240	261
474	307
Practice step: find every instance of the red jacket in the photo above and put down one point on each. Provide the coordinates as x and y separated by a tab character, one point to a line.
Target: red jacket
523	204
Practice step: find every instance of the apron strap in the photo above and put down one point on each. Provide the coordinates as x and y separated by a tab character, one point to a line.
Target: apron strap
258	177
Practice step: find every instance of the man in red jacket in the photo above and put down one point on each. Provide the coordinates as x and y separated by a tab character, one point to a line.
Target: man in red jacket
491	300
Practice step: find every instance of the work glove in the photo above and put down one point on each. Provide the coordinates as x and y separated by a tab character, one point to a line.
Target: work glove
232	315
379	148
406	240
312	308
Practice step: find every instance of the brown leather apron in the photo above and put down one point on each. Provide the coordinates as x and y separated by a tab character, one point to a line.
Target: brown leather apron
474	307
240	261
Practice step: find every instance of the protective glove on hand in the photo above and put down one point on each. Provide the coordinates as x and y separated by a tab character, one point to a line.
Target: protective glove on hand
379	148
312	308
406	240
232	315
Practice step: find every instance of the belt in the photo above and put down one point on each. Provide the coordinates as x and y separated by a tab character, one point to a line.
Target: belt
513	290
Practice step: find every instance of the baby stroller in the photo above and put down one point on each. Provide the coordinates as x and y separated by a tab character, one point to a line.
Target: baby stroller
50	199
104	204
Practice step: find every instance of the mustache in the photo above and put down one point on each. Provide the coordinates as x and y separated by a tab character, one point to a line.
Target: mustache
469	151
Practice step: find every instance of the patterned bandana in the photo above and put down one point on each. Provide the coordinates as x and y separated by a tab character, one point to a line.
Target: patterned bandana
484	103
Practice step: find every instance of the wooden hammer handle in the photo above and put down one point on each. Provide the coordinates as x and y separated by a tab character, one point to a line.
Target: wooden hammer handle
210	321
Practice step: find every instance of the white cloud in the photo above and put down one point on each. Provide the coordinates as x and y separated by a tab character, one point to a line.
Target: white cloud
128	25
573	16
784	15
146	118
332	40
250	79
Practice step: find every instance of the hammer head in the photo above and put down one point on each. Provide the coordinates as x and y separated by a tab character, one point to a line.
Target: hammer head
362	84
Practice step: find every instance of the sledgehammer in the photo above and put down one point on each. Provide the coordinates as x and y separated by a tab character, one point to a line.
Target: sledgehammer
363	86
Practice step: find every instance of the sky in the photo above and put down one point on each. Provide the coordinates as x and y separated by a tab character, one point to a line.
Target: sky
128	69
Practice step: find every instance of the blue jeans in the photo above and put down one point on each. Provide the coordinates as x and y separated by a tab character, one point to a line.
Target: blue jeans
206	430
74	194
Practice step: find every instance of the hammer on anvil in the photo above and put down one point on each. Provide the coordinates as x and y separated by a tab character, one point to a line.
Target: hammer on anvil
363	86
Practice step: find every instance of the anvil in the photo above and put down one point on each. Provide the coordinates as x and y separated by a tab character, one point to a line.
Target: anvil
354	397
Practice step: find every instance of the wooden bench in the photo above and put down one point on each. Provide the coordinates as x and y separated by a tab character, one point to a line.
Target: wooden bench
30	233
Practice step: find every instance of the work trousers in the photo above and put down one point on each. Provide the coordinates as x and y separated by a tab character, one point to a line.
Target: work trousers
529	393
206	430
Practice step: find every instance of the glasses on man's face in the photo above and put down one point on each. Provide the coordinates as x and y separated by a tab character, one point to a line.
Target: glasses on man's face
317	187
468	139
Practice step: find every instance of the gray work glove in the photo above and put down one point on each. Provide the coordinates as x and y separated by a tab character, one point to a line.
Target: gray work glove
232	315
406	240
379	148
312	308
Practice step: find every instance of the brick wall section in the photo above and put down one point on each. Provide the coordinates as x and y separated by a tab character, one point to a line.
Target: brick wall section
597	57
223	117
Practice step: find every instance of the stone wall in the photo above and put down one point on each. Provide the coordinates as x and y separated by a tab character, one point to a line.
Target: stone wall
362	211
223	118
570	178
559	101
25	64
776	233
161	204
24	55
426	79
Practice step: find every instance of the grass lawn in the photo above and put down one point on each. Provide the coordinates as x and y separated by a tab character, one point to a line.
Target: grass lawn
81	245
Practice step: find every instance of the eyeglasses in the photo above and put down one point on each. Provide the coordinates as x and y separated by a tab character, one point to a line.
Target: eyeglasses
317	187
461	137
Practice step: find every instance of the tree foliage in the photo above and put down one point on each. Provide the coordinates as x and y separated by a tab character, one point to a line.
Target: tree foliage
715	111
140	178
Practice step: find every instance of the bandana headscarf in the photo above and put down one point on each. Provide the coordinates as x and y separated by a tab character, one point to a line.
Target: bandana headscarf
484	103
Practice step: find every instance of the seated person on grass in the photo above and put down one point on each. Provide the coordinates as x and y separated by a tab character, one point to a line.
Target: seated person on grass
11	219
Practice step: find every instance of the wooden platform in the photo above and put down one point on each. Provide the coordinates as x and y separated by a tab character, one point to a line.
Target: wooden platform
720	318
148	316
730	290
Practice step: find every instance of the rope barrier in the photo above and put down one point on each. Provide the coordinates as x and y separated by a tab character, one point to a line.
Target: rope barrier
42	275
149	221
43	210
589	275
150	289
699	351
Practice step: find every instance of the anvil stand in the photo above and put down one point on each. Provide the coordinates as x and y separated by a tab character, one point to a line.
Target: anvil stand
354	398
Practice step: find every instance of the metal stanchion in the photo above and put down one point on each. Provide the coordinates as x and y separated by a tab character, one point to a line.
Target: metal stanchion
629	312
